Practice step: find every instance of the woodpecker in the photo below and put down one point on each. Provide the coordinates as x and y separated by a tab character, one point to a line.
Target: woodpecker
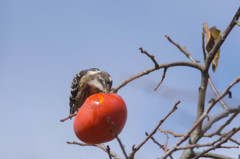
87	83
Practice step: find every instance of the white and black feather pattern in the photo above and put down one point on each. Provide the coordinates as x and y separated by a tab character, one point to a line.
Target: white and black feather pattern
86	83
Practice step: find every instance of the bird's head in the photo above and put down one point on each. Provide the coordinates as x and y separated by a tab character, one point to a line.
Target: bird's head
98	81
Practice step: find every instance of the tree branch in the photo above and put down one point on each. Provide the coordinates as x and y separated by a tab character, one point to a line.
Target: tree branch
160	66
221	39
182	49
116	136
224	113
216	93
163	76
227	136
212	155
131	155
203	45
101	146
150	56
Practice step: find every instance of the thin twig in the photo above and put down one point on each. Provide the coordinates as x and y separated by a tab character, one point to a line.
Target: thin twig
201	118
101	146
69	117
227	136
224	93
182	49
213	155
203	45
131	155
175	134
163	76
166	142
116	136
222	37
152	69
109	152
155	141
204	54
201	145
223	126
223	104
150	56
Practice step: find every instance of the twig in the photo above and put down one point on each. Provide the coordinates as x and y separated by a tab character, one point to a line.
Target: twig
223	126
234	141
150	56
131	155
193	60
221	39
109	152
149	70
201	145
227	136
203	45
213	155
200	119
172	133
237	22
116	136
163	76
225	92
155	141
69	117
101	146
182	49
216	93
166	142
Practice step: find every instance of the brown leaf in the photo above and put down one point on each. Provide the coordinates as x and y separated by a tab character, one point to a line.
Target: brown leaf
212	35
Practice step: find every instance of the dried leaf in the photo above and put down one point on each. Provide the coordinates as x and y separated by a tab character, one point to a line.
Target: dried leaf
212	35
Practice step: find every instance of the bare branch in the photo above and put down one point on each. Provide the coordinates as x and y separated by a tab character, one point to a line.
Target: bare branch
211	121
227	136
185	137
193	60
216	93
203	46
182	49
172	133
221	39
166	142
234	141
131	155
101	146
155	141
212	155
116	136
109	152
149	70
225	92
200	145
150	56
163	76
69	117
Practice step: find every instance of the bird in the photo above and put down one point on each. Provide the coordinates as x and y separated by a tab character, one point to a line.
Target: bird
86	83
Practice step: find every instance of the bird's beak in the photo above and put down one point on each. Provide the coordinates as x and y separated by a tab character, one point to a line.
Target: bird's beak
105	90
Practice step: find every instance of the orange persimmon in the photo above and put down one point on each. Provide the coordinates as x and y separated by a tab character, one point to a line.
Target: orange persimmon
92	125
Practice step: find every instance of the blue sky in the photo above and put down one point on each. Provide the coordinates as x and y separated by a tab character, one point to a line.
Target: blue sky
45	43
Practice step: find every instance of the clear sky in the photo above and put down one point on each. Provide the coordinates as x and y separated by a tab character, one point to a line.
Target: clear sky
43	44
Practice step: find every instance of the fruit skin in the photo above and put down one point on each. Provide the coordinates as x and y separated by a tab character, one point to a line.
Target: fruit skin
91	124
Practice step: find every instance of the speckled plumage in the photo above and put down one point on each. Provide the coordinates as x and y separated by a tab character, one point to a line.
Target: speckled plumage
87	83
